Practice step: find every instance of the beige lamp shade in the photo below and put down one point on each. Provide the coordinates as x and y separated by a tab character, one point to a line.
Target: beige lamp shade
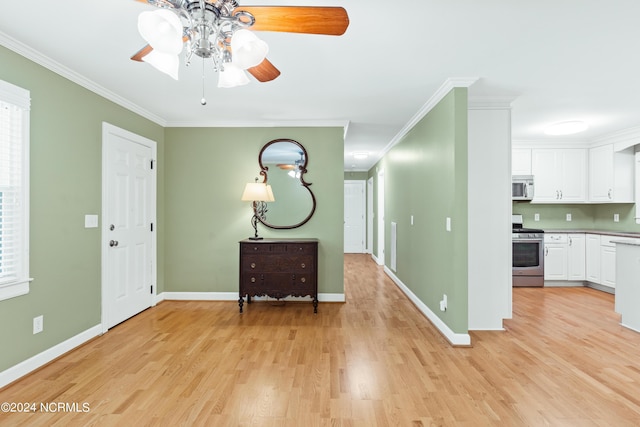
257	192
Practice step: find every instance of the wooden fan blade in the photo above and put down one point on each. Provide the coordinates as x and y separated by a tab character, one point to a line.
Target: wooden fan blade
264	71
147	49
141	53
331	21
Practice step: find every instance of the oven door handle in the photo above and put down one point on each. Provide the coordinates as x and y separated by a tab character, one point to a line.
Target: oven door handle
528	240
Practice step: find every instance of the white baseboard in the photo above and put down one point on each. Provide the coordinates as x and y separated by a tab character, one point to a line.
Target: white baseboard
233	296
452	337
375	258
23	368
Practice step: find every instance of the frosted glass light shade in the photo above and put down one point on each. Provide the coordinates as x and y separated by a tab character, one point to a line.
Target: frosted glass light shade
257	192
566	128
247	49
166	62
162	29
232	76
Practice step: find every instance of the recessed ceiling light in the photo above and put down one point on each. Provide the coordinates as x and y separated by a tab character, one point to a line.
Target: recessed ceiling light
360	155
566	128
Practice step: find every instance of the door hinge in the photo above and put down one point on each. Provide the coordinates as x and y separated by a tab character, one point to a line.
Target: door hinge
152	162
151	226
151	289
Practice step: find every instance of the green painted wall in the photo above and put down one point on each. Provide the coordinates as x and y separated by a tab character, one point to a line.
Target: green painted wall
583	216
206	171
201	175
426	176
66	153
356	176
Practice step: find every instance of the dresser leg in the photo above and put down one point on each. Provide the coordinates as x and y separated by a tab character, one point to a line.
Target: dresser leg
315	305
240	303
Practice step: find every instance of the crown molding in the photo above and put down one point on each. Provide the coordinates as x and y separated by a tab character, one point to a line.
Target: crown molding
257	124
48	63
440	93
622	139
490	102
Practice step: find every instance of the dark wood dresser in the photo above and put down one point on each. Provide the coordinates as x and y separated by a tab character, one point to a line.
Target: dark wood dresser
278	268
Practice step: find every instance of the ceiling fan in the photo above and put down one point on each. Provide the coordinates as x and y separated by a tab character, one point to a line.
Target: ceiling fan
220	30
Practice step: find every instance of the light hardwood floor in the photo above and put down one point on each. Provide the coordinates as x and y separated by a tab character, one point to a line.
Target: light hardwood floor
563	360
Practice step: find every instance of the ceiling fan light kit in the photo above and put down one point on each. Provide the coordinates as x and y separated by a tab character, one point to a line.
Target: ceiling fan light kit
219	30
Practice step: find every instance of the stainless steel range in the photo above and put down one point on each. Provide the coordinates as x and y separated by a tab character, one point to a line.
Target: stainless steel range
528	254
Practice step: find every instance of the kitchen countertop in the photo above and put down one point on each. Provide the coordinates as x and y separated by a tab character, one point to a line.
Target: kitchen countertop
632	242
603	232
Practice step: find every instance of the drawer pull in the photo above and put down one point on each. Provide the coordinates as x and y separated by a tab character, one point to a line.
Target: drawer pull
255	248
302	265
253	280
253	265
300	249
303	280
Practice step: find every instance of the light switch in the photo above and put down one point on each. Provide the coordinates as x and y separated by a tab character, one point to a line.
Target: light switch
411	219
91	221
448	226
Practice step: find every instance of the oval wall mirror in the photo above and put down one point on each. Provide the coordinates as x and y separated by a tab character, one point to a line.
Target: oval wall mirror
283	163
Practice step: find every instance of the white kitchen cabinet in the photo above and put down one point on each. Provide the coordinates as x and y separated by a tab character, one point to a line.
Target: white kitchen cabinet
601	260
555	256
608	261
592	252
521	161
576	256
564	256
611	174
560	175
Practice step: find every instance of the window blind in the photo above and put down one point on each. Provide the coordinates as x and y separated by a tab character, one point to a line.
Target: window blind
14	189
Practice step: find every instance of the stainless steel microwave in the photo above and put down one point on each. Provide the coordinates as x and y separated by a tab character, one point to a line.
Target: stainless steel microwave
522	187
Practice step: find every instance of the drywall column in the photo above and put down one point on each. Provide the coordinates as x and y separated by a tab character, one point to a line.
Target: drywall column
489	207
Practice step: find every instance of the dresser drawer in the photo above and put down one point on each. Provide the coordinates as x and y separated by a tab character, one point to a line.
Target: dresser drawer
267	264
274	248
278	285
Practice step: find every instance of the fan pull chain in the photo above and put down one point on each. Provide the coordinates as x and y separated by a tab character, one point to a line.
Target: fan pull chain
203	101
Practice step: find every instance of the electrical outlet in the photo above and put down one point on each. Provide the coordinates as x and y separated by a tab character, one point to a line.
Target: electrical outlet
569	217
38	324
616	217
443	303
536	217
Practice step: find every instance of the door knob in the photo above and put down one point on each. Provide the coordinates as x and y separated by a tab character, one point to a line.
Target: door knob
113	243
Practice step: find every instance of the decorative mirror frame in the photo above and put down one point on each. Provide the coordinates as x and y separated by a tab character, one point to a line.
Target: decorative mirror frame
302	168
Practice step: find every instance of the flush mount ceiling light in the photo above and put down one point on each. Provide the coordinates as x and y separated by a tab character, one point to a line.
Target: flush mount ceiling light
220	30
566	128
360	155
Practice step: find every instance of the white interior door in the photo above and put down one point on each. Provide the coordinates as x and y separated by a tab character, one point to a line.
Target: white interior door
128	261
380	257
370	215
354	222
